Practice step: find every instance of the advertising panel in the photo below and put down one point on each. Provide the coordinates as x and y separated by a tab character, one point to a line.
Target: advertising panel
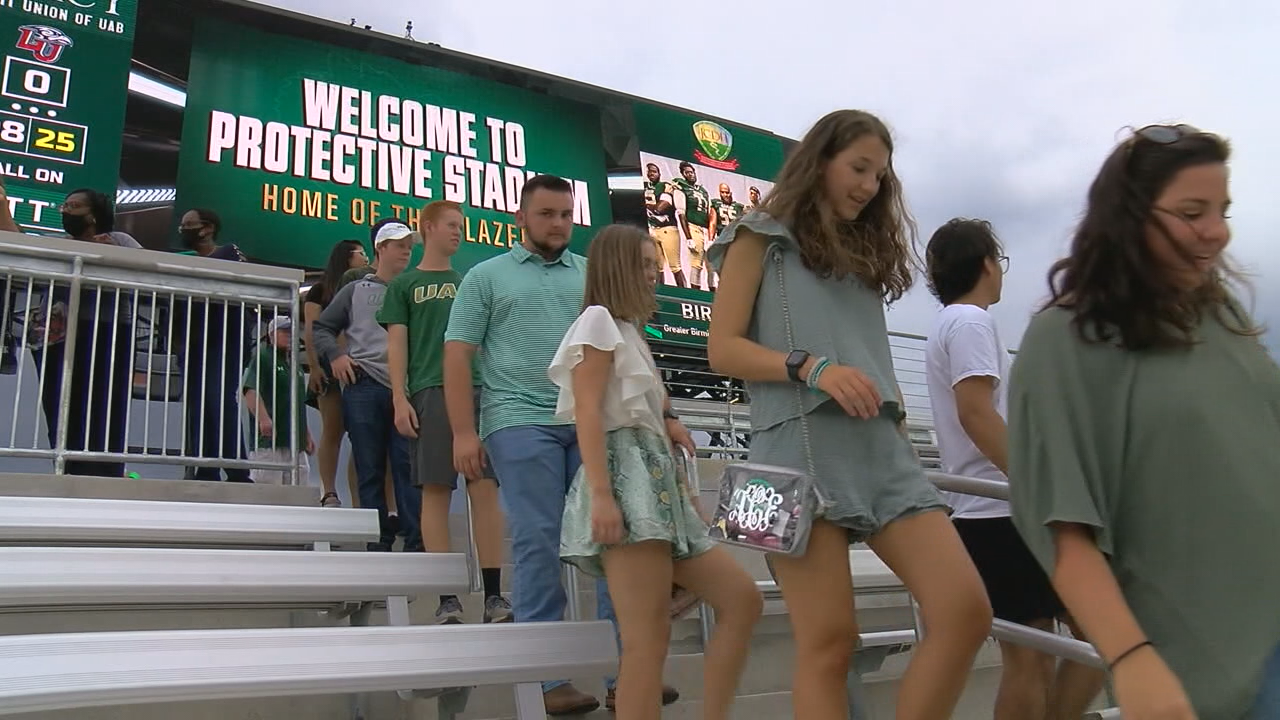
699	176
298	145
63	87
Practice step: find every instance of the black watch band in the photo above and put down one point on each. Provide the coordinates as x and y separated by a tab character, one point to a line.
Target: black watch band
669	414
796	360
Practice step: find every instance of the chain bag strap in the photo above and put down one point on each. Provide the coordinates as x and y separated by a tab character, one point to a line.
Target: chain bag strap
767	508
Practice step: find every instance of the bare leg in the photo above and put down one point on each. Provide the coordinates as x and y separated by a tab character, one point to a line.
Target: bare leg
1076	685
926	553
330	446
435	517
486	517
1024	683
818	590
639	577
732	594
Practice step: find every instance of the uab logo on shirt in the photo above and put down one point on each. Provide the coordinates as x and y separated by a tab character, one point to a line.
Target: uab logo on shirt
434	291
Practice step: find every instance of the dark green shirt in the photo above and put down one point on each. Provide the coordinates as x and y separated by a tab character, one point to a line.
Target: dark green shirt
1170	457
421	300
268	376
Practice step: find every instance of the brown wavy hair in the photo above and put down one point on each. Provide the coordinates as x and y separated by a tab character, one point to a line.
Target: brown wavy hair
1111	282
615	274
877	247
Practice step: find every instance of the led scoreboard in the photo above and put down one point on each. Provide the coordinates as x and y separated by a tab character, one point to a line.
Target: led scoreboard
63	88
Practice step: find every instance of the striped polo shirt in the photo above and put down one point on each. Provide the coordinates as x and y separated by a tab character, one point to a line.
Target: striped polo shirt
517	307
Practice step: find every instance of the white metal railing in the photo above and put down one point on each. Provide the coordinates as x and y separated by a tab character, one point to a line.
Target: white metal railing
116	355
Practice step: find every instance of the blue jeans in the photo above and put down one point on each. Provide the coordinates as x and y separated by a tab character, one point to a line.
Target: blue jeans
535	465
370	419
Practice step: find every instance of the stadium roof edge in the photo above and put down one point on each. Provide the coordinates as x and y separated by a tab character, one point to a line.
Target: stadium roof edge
430	53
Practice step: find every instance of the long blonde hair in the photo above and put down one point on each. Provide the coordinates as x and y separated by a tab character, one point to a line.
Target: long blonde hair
616	274
877	247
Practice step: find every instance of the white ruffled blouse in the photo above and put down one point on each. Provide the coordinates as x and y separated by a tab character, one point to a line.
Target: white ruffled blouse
635	396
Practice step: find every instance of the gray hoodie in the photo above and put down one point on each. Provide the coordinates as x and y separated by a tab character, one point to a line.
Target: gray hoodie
354	311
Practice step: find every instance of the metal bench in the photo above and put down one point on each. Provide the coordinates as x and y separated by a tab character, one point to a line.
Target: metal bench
67	671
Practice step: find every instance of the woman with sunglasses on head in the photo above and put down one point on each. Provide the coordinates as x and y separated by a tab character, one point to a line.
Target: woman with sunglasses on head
346	255
1144	413
800	316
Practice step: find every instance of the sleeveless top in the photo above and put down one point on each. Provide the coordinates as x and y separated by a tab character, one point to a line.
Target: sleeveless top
840	319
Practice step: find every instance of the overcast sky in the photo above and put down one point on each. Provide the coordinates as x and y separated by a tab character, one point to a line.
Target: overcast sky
1003	109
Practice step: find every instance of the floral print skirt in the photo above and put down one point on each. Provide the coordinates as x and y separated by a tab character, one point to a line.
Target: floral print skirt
650	493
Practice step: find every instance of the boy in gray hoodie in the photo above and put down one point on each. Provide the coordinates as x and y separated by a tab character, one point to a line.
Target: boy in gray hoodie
362	370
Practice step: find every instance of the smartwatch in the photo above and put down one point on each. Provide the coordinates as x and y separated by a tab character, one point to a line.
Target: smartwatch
796	360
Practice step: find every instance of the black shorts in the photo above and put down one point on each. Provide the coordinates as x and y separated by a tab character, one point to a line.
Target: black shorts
432	457
1019	588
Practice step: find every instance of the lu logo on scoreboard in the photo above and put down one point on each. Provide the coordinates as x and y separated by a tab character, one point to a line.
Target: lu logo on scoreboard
43	42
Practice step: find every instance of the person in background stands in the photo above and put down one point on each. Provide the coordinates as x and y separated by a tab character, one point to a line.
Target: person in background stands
217	345
416	313
514	309
630	517
800	316
346	255
966	367
102	368
266	386
361	367
1143	417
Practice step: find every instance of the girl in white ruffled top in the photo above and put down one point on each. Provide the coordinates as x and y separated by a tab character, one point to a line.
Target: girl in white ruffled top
628	515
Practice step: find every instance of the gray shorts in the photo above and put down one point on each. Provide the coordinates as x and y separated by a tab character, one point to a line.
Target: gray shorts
433	450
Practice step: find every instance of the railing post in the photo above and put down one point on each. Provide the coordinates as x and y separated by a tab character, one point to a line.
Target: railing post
295	332
68	362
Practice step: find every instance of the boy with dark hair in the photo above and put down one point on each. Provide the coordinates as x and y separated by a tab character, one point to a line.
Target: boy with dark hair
967	366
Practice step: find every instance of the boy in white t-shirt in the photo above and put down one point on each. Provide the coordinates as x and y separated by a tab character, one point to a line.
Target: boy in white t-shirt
966	366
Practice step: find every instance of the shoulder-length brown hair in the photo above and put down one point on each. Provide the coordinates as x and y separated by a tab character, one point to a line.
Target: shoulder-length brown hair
616	274
1110	282
877	247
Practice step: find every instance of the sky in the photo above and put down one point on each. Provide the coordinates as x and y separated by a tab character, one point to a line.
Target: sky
1001	109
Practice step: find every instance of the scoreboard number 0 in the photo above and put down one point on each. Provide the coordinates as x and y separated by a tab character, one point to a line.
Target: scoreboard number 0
37	82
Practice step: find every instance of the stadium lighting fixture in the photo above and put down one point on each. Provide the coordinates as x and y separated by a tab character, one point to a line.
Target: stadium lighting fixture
156	90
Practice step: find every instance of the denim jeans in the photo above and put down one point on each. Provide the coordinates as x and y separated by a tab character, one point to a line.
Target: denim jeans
535	465
370	419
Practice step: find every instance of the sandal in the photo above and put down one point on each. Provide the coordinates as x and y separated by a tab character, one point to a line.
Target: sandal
330	499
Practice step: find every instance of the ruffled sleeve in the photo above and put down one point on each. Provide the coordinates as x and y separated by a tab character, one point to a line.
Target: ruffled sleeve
632	383
757	221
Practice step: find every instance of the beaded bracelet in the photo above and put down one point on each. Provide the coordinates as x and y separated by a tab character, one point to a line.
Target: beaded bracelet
816	372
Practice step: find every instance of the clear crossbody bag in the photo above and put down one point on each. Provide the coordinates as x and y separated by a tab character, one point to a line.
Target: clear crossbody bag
766	508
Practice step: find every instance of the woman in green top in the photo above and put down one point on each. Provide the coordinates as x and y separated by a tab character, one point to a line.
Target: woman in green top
1144	415
800	316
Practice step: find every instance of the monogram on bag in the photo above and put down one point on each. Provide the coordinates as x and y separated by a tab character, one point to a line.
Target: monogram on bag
767	508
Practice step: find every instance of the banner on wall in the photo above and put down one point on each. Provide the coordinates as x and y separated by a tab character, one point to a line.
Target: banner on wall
699	176
63	88
298	145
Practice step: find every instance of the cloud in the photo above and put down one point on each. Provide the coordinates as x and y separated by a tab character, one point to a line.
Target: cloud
1003	109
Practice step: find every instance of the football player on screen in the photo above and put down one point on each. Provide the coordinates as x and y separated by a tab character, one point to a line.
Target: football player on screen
694	204
753	198
660	207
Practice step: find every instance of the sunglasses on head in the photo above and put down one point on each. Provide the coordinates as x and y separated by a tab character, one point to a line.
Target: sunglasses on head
1166	134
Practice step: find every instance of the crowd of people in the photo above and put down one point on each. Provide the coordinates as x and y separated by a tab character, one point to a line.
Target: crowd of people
1134	429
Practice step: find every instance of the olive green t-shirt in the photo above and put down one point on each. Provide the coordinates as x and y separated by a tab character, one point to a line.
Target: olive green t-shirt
353	275
1170	456
421	300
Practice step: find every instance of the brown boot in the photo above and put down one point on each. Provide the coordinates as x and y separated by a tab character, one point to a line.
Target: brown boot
568	700
669	695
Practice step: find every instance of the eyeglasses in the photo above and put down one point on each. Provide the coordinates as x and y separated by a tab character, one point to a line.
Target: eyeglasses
1003	260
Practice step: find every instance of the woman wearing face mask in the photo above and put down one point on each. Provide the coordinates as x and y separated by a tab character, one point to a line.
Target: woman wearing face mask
102	369
217	347
1144	413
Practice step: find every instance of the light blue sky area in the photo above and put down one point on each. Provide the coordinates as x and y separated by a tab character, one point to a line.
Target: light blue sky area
1003	109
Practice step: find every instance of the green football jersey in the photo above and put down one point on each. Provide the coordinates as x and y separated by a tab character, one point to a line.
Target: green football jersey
726	212
653	193
697	203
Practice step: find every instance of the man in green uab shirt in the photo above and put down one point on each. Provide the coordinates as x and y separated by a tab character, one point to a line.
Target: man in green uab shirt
695	218
416	313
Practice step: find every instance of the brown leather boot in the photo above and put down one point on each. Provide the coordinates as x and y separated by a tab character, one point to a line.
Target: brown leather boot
568	700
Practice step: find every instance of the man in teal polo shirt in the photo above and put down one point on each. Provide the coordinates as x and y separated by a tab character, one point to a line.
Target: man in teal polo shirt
515	309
